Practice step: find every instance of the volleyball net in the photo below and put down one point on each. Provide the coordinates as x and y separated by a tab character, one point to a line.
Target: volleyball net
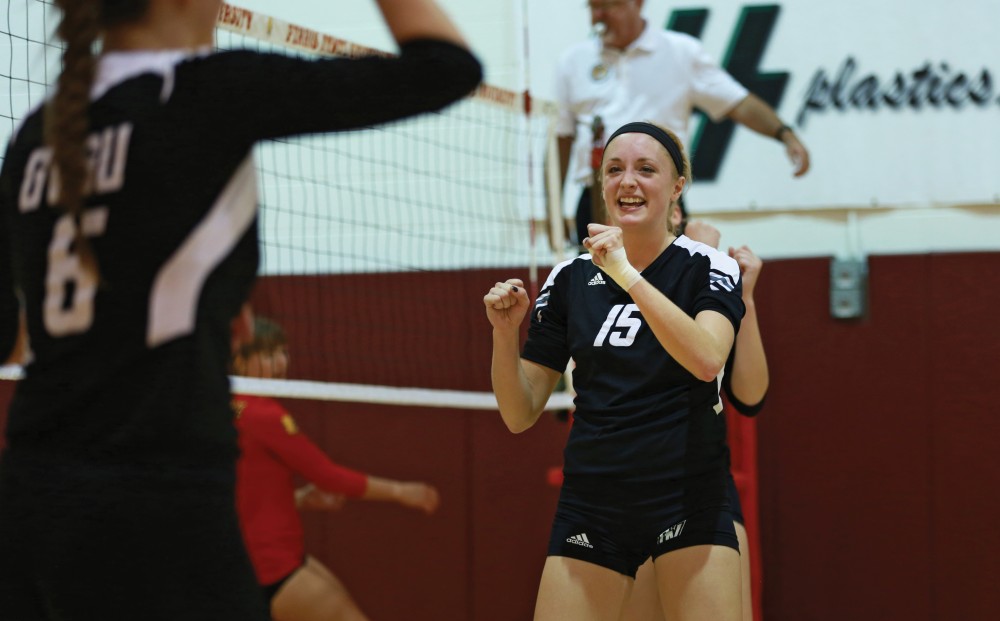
377	245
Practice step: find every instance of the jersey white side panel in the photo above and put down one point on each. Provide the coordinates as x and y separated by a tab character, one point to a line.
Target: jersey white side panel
173	301
724	270
543	297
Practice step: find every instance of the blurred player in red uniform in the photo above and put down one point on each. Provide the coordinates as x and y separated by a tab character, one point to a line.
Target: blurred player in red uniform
273	451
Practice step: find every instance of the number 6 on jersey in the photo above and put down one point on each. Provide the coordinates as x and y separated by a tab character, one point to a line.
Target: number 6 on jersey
69	287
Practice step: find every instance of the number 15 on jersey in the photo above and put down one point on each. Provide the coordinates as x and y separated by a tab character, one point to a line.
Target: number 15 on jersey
620	327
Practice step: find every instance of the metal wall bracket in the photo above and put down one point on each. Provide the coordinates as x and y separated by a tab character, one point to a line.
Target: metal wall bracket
848	288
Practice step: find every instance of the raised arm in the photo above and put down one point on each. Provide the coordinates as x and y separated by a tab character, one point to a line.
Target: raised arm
700	345
433	69
522	387
754	113
750	379
419	19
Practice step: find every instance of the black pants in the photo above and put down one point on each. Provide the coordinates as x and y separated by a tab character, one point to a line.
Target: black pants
583	215
81	542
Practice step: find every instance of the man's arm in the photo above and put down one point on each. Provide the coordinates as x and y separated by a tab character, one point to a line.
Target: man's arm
754	113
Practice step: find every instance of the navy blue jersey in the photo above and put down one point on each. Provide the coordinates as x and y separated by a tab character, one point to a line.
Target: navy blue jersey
640	416
133	365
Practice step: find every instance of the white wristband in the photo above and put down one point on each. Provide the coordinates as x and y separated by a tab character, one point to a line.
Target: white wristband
616	266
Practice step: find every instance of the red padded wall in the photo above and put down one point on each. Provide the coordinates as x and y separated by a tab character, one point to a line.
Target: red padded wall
878	447
964	435
480	557
877	481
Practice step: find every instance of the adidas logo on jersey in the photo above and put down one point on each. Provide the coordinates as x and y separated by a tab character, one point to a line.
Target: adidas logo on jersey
597	280
580	540
670	533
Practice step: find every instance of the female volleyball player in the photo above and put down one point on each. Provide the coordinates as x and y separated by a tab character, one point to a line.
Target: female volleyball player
745	384
649	319
273	450
129	232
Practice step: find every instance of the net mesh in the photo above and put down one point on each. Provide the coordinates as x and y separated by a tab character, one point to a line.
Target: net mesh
440	192
29	63
376	244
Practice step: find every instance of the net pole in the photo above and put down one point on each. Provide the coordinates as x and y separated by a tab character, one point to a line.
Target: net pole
554	195
550	177
522	9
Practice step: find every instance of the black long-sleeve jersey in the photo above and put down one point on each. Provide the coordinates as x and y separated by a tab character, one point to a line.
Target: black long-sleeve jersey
132	366
640	418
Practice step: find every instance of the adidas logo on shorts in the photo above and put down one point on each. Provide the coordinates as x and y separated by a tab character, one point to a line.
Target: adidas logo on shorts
597	280
580	540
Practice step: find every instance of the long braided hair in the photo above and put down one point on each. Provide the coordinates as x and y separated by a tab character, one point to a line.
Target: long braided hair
67	121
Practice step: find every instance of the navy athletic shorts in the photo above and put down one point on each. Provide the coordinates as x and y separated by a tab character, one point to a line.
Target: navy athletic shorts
620	532
734	501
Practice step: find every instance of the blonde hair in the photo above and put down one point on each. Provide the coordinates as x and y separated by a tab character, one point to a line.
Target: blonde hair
685	161
686	173
652	129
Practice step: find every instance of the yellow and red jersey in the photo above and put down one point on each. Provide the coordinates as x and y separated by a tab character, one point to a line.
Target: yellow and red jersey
272	453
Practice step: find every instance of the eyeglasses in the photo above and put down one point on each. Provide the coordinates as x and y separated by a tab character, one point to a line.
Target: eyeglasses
605	5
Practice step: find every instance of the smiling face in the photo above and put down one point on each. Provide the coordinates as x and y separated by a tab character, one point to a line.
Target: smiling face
639	182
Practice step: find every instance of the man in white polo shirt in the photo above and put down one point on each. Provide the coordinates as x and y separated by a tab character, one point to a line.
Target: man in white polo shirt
636	72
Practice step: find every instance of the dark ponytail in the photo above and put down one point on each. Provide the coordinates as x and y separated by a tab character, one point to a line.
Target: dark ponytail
67	121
